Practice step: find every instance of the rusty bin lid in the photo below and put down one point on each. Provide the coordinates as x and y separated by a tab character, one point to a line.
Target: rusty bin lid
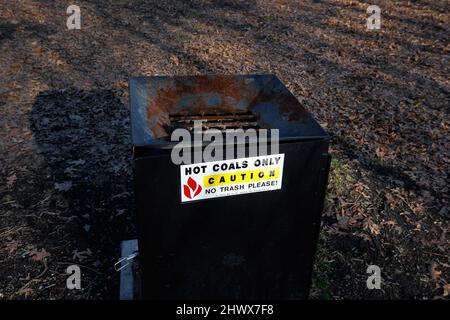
161	103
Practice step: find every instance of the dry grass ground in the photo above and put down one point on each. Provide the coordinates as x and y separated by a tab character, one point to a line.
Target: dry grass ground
66	192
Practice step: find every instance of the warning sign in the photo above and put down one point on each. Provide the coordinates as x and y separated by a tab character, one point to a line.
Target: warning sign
231	177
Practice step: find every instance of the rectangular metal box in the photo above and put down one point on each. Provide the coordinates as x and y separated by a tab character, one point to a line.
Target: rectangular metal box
251	246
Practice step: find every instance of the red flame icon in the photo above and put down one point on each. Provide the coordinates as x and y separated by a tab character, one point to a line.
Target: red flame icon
191	189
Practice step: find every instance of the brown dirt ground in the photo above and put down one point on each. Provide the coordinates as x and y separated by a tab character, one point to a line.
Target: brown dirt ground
65	191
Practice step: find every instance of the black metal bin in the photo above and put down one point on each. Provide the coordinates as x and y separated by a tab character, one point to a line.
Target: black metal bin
251	246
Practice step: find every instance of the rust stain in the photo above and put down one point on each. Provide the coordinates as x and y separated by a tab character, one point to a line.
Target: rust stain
214	94
193	92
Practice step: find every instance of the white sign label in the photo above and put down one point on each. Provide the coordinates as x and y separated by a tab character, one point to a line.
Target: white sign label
231	177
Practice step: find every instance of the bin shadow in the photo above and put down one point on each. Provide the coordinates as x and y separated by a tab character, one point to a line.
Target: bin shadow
85	138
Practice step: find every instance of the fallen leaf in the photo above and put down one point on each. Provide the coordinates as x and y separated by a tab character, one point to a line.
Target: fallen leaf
175	60
63	186
389	223
77	162
446	288
12	246
435	274
373	227
37	255
81	255
11	180
25	292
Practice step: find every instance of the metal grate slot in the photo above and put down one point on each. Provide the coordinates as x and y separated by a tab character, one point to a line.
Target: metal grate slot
220	121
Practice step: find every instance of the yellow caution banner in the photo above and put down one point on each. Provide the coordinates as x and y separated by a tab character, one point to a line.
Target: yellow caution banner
240	177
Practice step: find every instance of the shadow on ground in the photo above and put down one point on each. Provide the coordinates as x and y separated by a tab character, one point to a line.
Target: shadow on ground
84	137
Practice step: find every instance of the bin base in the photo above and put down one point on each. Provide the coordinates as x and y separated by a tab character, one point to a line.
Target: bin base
130	279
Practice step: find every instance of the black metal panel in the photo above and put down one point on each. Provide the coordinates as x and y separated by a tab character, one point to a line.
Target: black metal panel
253	246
